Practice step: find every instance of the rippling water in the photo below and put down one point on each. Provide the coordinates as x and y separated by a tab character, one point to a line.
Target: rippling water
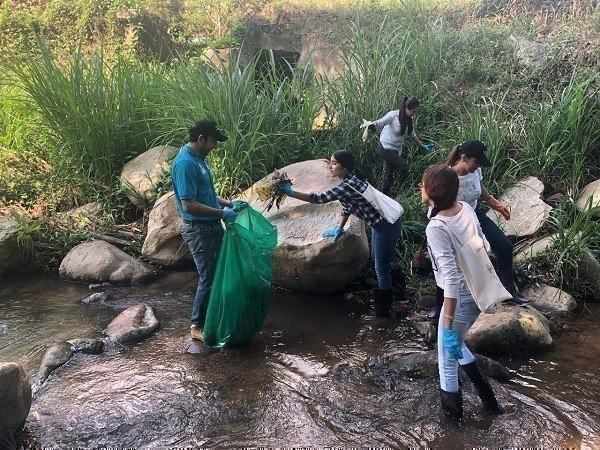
308	378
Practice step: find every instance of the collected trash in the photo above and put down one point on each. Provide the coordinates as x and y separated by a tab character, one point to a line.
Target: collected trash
270	191
241	292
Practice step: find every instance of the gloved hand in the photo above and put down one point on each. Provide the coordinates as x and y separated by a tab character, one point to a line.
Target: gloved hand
452	343
368	126
239	205
287	188
427	147
334	232
229	215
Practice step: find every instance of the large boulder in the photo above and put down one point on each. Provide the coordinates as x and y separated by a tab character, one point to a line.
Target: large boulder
551	301
528	210
55	356
303	260
133	325
163	242
15	400
511	329
141	175
99	261
592	191
10	257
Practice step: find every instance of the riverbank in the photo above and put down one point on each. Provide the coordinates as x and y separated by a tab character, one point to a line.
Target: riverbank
308	378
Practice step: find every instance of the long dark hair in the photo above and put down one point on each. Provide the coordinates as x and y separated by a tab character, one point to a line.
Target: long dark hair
441	184
409	103
454	155
348	162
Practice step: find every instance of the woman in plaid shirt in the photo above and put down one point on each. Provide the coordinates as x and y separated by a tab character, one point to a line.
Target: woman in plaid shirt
384	235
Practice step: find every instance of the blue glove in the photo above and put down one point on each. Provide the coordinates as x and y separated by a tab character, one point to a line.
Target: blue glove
239	205
287	188
427	147
452	343
334	232
229	215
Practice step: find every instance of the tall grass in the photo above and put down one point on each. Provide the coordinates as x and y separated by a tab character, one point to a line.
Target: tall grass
90	111
268	119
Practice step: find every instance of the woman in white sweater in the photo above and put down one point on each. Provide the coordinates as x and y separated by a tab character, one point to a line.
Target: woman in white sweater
439	189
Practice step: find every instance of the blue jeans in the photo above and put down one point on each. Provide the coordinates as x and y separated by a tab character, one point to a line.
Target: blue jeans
499	243
465	314
204	241
384	237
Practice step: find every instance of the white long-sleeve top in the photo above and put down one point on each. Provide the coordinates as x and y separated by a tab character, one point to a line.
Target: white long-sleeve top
391	137
464	224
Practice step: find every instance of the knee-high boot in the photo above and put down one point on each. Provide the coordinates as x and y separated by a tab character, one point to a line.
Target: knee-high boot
452	404
483	387
383	302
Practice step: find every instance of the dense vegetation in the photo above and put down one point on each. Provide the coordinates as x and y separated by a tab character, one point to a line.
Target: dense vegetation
88	89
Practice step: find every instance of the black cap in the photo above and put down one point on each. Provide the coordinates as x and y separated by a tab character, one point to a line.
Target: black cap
475	149
206	127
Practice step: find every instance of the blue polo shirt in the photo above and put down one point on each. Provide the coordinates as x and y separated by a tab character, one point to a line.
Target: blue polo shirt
192	180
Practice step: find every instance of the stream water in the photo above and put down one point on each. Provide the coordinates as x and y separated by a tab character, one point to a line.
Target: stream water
309	378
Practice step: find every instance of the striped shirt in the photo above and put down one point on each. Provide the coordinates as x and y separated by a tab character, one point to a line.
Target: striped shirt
352	202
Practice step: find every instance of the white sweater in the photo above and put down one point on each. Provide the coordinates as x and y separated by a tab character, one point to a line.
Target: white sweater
464	224
391	137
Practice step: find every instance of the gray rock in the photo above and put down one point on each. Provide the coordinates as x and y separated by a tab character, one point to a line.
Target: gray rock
99	261
425	365
163	242
592	191
528	210
84	215
15	400
55	356
141	175
97	297
10	256
303	260
588	283
90	346
535	249
533	55
133	325
551	301
511	329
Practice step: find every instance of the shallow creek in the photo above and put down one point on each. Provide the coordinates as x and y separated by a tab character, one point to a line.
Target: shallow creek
309	378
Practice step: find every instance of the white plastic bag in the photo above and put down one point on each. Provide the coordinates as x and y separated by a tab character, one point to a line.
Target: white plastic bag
366	124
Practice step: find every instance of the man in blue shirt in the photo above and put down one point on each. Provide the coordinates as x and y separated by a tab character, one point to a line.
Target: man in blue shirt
201	211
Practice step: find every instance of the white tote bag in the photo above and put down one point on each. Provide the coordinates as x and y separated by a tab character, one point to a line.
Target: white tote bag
389	208
481	277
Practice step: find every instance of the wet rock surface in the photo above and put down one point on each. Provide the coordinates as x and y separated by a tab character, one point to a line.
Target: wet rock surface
55	356
15	400
90	346
133	325
9	254
551	301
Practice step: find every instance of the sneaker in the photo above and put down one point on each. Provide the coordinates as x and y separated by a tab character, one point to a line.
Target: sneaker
518	300
196	333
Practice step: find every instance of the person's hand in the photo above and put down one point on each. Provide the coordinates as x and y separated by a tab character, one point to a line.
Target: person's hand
502	209
427	147
452	343
229	215
334	232
287	189
239	205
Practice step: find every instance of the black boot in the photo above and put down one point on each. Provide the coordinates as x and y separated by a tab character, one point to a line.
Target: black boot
383	302
399	284
507	280
483	387
452	404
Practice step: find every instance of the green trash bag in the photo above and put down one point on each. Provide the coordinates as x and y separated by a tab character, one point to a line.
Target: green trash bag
241	289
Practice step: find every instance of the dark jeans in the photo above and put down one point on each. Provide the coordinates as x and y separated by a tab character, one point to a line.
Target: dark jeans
384	237
204	241
393	162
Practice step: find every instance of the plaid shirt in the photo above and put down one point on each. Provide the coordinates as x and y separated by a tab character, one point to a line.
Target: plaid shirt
352	202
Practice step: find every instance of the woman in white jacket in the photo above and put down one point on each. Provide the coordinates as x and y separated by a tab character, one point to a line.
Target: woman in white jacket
439	189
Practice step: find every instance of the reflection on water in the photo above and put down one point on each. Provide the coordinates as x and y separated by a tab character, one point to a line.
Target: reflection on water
308	378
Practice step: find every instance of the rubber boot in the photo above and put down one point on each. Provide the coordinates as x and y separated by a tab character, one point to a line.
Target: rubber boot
383	302
436	311
507	280
452	404
399	284
483	387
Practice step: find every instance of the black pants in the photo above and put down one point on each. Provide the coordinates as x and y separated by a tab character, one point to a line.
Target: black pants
393	162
